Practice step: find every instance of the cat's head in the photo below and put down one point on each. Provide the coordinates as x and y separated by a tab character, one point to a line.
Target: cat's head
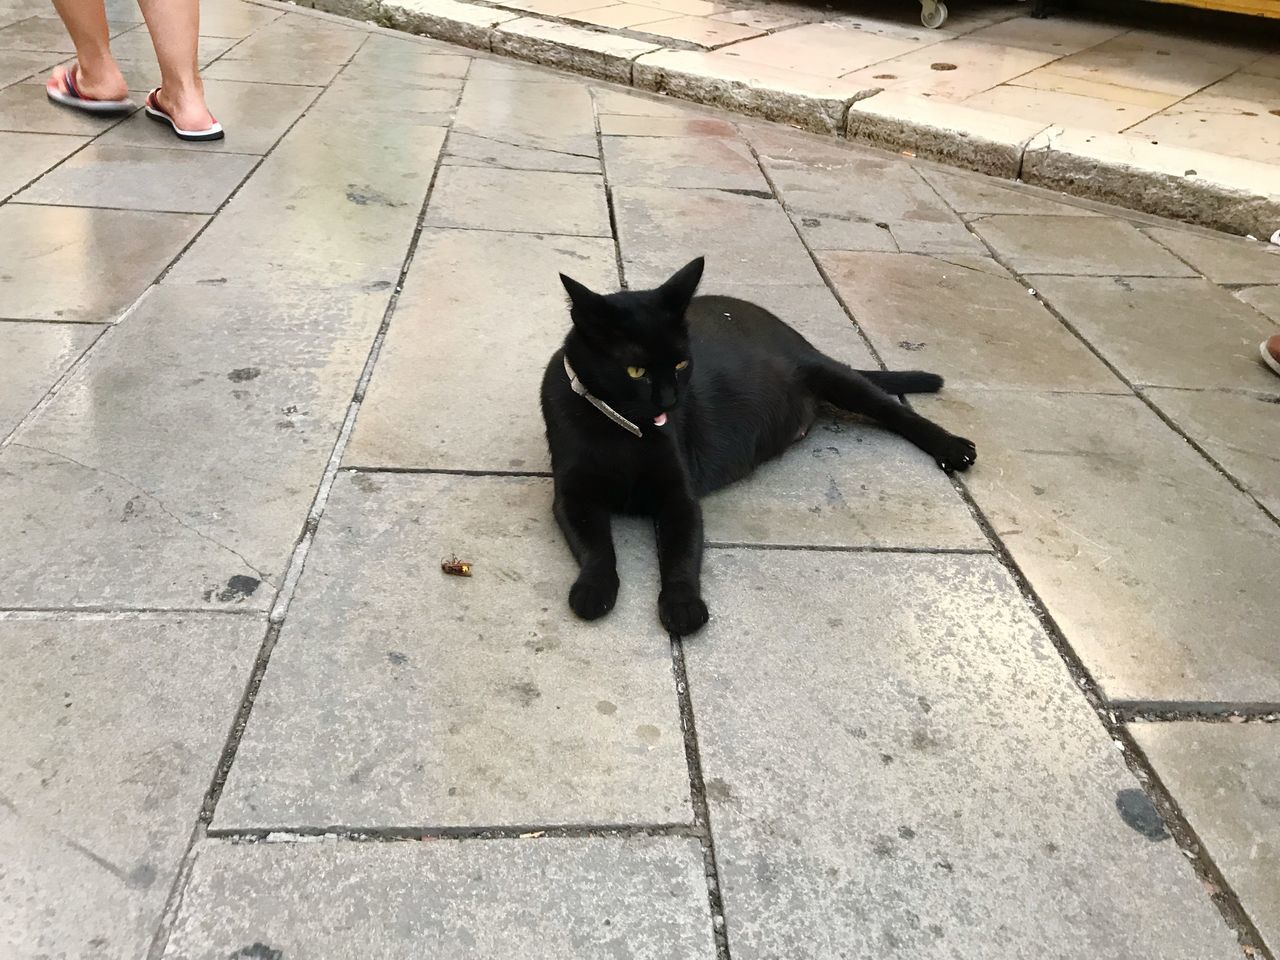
631	348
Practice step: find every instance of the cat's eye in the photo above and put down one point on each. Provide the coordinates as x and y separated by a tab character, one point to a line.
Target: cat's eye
635	373
682	364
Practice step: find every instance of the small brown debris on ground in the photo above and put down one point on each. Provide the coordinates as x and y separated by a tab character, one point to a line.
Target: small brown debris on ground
455	567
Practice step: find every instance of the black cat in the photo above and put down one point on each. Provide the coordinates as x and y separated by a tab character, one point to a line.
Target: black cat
658	398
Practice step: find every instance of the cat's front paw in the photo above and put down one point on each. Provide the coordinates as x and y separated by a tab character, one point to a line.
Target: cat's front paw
682	611
592	597
956	453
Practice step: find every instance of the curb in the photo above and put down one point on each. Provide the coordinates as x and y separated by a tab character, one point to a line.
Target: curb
1194	186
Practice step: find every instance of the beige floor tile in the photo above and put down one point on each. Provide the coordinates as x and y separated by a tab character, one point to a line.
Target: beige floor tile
64	274
665	126
1101	88
1064	109
551	8
1149	61
1158	570
1226	778
760	19
1059	35
1268	66
1221	258
1239	430
25	156
1166	331
826	49
35	355
904	304
445	358
700	30
693	8
953	69
1266	300
620	16
522	201
1232	116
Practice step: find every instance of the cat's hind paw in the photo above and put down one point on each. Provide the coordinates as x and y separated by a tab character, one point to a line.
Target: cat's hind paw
957	453
591	599
682	612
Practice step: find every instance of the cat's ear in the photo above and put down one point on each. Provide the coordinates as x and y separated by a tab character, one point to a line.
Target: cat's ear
679	290
582	297
590	311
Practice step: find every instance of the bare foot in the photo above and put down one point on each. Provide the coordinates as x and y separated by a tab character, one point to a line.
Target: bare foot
188	109
107	84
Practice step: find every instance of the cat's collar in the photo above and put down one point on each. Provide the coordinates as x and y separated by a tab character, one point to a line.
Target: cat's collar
581	390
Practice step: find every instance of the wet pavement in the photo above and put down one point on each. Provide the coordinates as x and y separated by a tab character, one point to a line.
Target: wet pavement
255	393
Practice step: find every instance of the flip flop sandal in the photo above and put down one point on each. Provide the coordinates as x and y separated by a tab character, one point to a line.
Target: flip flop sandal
72	97
157	112
1268	357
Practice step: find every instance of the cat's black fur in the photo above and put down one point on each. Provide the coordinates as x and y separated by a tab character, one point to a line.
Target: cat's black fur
749	391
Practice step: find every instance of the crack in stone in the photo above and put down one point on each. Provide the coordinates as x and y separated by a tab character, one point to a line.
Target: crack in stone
158	502
526	146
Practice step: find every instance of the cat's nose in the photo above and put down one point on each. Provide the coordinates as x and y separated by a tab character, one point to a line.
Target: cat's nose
666	397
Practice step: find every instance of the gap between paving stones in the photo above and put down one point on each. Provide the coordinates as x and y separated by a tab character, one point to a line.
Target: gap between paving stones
1220	892
1196	186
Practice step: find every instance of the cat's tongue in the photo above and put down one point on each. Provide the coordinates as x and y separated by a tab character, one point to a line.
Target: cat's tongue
660	420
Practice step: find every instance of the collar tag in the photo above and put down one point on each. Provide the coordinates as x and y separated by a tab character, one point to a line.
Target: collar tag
581	390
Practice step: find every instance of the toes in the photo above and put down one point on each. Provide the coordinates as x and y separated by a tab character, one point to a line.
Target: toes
591	601
683	617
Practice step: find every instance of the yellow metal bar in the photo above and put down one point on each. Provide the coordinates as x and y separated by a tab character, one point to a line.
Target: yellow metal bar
1257	8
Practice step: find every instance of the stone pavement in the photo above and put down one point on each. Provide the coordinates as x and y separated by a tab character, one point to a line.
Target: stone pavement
255	392
1159	108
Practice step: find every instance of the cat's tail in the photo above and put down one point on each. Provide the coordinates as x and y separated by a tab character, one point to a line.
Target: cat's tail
904	381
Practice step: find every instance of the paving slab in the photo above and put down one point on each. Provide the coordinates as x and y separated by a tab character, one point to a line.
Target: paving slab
972	196
255	115
64	275
550	115
974	326
235	20
18	65
139	178
1091	246
466	150
114	731
1138	547
1239	430
524	201
899	765
277	71
419	100
1266	300
812	310
353	187
1226	778
693	125
25	156
1220	258
450	702
46	33
660	230
715	162
176	467
634	899
36	354
847	484
817	177
455	348
1170	332
302	38
24	107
